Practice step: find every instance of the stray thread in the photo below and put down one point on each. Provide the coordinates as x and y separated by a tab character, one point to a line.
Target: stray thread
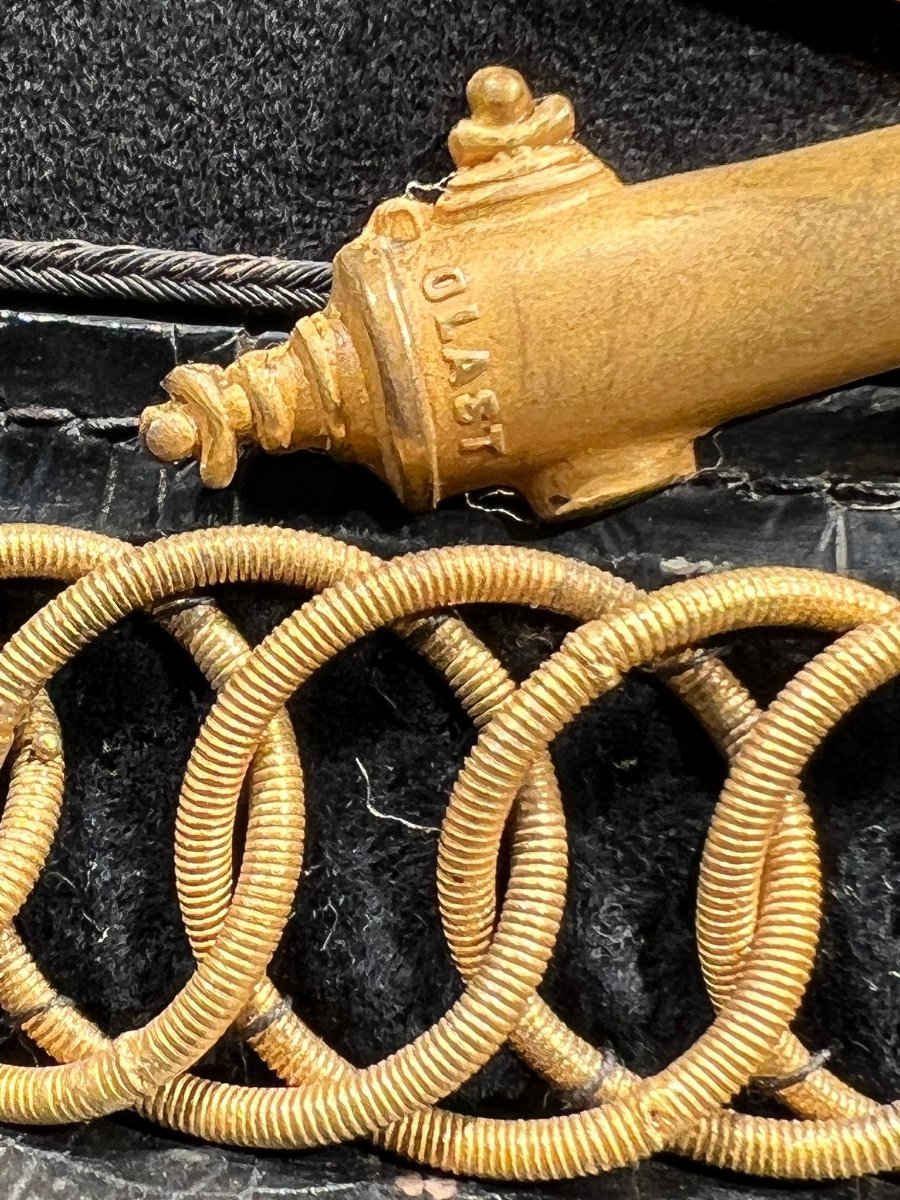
389	816
577	1099
179	604
777	1083
261	1023
21	1019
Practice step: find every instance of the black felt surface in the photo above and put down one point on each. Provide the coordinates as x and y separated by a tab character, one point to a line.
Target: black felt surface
267	127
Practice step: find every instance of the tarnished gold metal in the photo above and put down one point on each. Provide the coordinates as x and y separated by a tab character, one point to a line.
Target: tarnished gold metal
544	326
467	873
120	1072
204	856
758	907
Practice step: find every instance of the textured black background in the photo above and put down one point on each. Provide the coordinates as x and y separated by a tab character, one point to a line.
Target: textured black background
265	126
275	128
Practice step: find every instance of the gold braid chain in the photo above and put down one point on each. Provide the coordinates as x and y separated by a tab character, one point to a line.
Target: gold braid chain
758	907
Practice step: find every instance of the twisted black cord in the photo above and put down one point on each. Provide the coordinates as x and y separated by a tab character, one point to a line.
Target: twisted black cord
73	268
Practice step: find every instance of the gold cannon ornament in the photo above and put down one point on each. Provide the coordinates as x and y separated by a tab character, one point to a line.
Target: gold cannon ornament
546	327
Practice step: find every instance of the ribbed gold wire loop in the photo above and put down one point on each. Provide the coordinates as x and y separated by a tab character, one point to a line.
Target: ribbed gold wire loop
723	707
779	956
625	1128
776	865
31	813
728	714
770	763
121	1072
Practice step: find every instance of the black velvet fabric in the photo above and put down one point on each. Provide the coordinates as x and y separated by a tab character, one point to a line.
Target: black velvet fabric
271	127
274	127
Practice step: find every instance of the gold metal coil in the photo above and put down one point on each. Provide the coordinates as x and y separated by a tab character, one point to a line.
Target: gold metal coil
290	1048
240	546
756	951
120	1073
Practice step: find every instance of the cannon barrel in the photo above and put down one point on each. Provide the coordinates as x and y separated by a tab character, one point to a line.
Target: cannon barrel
544	326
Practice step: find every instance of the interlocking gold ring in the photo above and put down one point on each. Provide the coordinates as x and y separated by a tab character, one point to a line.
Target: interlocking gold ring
286	1043
352	609
122	1072
289	1047
463	660
63	1030
30	816
866	1136
765	994
775	862
110	591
